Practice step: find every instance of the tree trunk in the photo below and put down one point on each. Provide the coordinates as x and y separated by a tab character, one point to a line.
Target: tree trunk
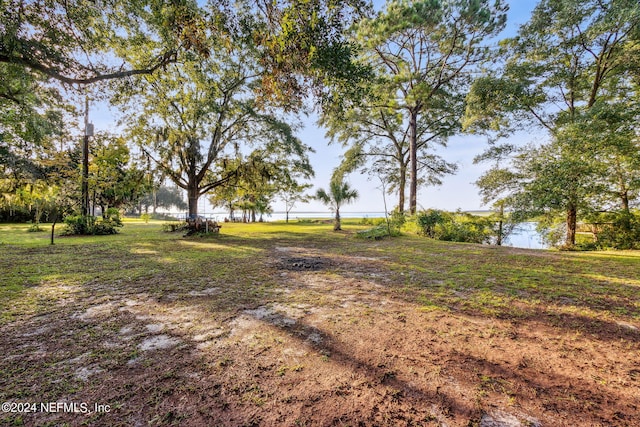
500	225
192	196
231	211
413	161
53	226
625	202
85	167
402	183
155	201
572	219
336	225
626	211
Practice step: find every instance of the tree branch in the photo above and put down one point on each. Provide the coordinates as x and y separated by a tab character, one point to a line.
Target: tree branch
161	61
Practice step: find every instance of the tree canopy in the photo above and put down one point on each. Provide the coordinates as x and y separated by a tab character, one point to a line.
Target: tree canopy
570	71
201	123
422	54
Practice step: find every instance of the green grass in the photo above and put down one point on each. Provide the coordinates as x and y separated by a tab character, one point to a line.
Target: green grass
91	301
484	280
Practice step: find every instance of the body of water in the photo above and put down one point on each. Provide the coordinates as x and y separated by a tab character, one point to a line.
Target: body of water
526	236
293	216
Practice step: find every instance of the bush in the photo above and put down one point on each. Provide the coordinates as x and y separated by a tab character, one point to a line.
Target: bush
34	228
366	221
397	220
103	227
428	220
598	231
375	233
77	225
618	231
89	225
383	227
454	227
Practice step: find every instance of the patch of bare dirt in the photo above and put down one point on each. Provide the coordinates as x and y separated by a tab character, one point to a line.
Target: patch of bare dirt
332	346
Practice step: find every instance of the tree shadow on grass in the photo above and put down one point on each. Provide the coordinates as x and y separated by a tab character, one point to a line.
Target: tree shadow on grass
558	303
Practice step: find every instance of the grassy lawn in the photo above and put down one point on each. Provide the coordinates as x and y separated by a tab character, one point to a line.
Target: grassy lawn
293	324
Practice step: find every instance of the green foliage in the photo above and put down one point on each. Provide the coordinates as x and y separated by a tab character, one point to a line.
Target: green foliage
80	42
553	230
34	228
115	180
90	225
201	123
384	227
78	225
420	53
569	71
372	221
397	219
616	230
454	227
31	118
145	217
304	49
375	233
428	220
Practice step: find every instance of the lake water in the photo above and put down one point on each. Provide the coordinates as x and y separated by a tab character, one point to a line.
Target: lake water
526	236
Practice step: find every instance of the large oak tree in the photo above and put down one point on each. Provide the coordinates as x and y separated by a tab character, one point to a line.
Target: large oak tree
201	123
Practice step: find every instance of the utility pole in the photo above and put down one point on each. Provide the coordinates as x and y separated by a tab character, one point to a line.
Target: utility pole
88	131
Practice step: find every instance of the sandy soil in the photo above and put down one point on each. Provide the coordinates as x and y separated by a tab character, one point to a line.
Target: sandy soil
332	346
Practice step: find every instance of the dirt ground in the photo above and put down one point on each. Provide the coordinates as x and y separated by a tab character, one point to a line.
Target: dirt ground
331	345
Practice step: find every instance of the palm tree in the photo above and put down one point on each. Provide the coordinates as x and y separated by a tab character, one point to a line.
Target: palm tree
339	193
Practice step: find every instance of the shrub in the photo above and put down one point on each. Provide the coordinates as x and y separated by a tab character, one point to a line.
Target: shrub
375	233
104	227
113	215
77	225
389	226
428	220
619	231
89	225
454	227
366	221
34	228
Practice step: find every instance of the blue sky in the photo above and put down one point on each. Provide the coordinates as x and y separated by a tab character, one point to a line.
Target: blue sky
457	191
